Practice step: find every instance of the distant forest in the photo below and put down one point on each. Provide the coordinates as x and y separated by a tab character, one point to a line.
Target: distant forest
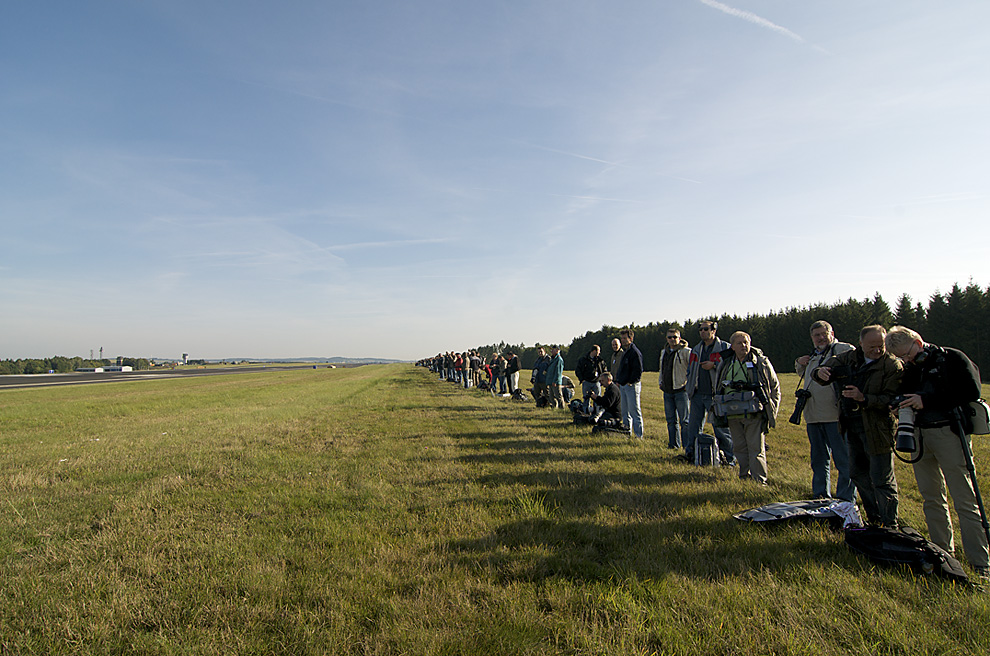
960	318
61	365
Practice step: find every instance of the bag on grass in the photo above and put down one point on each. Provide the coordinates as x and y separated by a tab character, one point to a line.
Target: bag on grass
905	546
706	451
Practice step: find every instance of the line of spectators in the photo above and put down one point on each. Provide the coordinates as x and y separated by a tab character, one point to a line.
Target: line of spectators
847	394
499	373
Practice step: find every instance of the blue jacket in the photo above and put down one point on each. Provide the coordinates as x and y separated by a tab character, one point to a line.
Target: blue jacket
540	369
631	366
555	370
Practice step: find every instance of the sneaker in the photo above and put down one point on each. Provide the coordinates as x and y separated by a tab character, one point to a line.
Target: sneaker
983	573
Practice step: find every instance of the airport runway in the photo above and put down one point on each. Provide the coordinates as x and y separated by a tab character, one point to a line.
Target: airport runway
87	378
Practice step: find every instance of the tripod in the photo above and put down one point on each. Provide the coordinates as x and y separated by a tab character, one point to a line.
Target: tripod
971	468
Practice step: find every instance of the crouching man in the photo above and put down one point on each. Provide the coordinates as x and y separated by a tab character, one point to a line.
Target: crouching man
608	404
937	381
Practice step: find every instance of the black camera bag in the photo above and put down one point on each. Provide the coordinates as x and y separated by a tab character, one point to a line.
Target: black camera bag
904	546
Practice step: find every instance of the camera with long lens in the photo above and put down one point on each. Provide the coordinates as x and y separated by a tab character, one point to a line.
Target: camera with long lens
904	438
802	400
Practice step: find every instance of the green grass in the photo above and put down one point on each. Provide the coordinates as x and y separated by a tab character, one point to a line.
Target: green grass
377	510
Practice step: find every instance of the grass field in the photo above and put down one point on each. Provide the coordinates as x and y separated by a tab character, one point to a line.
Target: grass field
377	510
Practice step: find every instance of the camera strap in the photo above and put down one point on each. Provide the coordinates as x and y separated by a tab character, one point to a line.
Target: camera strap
824	357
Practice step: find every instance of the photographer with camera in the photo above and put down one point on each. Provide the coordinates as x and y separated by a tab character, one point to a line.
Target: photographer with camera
820	406
866	380
937	383
743	368
608	404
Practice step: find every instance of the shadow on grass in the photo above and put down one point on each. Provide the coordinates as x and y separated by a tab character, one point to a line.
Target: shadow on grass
599	507
538	549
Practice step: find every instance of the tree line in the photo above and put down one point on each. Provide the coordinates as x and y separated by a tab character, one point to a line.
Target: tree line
959	318
62	365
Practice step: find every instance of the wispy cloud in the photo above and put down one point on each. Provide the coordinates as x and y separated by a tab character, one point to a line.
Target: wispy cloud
381	244
757	20
564	152
602	161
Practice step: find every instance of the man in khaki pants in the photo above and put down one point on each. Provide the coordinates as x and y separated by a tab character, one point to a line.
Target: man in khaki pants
937	381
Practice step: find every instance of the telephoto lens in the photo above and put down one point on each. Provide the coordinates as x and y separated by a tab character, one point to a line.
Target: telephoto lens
904	438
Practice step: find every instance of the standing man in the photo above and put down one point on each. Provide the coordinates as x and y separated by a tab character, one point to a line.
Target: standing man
500	365
589	369
512	368
673	383
821	415
475	368
539	376
937	381
867	380
555	378
613	365
704	357
630	382
745	367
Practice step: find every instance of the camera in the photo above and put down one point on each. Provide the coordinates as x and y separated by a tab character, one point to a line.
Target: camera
840	373
904	440
802	399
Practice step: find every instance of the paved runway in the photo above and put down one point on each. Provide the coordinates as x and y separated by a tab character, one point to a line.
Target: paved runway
86	378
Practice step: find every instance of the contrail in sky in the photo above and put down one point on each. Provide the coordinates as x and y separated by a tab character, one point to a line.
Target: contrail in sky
753	18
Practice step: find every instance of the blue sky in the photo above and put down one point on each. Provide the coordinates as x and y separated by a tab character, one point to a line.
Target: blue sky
391	179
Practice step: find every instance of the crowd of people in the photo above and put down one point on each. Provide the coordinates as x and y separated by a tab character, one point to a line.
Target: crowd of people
848	396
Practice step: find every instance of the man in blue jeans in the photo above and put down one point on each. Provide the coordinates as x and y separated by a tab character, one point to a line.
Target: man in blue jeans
673	383
630	382
700	386
821	415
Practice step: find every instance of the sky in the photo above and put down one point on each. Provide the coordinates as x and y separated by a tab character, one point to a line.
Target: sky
393	179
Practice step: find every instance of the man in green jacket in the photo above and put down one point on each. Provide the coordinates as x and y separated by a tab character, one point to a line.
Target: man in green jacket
867	380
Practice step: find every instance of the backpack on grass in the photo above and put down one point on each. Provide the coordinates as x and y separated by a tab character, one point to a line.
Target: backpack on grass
905	546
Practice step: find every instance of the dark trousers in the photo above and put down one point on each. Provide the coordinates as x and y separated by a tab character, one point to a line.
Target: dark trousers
874	479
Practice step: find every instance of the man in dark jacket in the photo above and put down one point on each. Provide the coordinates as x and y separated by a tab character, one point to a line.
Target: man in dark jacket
539	375
868	378
609	401
512	368
589	369
937	381
630	383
